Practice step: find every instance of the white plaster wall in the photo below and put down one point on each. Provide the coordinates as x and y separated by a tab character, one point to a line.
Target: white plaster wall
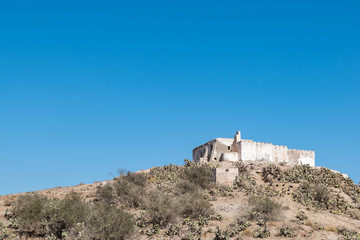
225	149
264	151
281	154
230	156
225	141
212	150
247	150
307	157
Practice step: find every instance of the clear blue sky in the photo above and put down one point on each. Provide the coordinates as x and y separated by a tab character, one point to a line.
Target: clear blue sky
87	87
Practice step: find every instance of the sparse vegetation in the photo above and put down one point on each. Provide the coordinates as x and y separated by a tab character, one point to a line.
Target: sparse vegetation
262	233
232	230
175	202
349	234
40	216
287	232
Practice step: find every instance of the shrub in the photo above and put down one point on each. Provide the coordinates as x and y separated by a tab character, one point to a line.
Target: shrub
317	196
200	175
331	229
287	232
271	173
231	231
321	194
128	193
185	186
138	179
301	216
126	190
31	211
349	234
70	211
109	222
264	208
162	208
106	194
262	233
38	215
194	205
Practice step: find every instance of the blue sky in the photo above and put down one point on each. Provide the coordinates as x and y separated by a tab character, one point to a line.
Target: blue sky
87	87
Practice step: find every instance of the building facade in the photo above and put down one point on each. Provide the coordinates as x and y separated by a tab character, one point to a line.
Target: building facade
236	149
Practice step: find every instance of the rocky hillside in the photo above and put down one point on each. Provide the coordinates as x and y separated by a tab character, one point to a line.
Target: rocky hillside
182	202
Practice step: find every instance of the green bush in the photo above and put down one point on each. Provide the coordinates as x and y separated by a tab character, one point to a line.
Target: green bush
349	234
200	175
138	179
70	211
31	212
37	215
194	205
185	186
262	233
109	222
128	193
287	232
264	208
311	195
321	194
162	208
127	190
106	194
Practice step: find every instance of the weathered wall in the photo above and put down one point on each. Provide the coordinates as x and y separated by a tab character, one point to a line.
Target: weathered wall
225	174
281	154
213	150
228	149
255	151
301	157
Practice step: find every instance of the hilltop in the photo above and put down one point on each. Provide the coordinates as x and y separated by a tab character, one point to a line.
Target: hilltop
182	202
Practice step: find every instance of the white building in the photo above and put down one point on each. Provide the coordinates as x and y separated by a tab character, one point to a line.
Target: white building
235	149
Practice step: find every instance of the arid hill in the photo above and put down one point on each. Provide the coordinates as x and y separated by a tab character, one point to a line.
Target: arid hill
182	202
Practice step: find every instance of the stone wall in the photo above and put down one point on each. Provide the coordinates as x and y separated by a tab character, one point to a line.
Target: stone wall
213	150
225	173
233	149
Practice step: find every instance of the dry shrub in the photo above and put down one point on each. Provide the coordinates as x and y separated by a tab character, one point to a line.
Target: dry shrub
309	223
138	179
165	208
128	193
200	175
37	215
185	186
314	226
331	229
247	233
194	205
7	202
162	208
70	211
109	222
30	211
127	190
264	208
317	196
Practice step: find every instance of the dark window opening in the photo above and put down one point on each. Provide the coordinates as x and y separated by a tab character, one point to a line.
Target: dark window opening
228	147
